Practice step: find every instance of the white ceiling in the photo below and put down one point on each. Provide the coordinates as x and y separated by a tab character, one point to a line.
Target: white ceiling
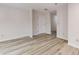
37	6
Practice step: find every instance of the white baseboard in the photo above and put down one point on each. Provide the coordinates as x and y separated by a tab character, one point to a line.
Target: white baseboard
73	45
62	37
14	38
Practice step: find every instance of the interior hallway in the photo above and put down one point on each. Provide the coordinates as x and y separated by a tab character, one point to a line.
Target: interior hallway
42	44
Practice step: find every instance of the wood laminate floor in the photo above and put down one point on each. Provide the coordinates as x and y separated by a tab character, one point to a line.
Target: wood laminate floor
43	44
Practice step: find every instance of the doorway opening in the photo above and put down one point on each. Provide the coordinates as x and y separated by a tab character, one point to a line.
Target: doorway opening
53	23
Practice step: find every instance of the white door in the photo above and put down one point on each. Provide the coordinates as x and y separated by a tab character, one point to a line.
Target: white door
41	19
35	23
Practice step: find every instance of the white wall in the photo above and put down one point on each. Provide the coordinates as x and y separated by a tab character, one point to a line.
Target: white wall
73	25
15	23
62	28
41	22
